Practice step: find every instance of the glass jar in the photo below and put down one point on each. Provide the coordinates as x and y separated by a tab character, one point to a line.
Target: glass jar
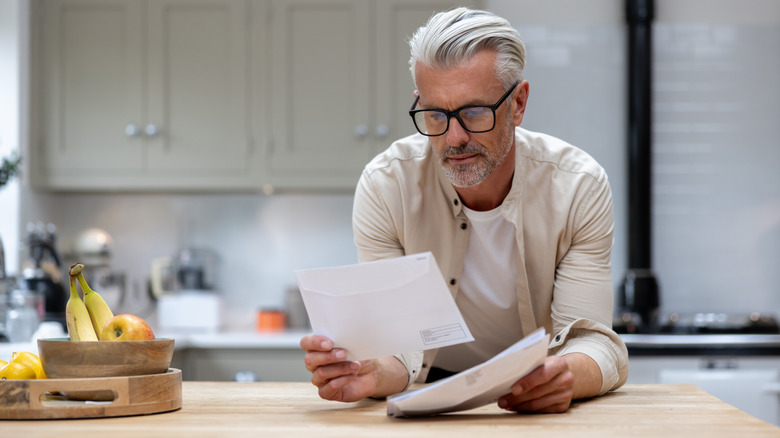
23	315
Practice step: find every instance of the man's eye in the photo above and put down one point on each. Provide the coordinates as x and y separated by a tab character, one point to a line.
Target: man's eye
474	112
436	116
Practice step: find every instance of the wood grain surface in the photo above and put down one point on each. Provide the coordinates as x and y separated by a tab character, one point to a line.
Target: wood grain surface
90	398
265	409
63	359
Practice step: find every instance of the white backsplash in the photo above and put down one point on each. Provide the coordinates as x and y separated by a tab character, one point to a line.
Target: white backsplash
260	240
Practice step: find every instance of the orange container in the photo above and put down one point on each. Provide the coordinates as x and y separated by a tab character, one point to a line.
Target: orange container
270	320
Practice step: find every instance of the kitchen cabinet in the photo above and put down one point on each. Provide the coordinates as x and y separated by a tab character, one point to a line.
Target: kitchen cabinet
341	86
218	94
750	383
252	364
142	94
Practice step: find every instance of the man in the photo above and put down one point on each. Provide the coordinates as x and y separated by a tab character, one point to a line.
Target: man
520	224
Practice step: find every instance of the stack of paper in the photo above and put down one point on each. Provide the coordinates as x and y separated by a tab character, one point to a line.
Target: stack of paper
478	385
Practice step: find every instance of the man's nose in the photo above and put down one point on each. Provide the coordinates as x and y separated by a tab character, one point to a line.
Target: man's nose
456	134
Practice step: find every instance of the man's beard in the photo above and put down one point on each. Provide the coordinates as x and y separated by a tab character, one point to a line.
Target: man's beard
469	175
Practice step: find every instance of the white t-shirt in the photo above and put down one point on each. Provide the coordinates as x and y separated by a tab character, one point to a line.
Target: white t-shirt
488	292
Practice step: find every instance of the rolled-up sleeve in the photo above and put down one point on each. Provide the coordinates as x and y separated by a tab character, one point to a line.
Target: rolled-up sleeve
601	344
582	306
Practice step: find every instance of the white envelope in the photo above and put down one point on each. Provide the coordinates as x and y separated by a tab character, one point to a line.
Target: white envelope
384	307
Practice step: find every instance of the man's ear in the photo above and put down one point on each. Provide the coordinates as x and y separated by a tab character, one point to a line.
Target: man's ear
521	99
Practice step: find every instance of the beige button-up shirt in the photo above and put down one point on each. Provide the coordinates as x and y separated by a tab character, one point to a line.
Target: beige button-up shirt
561	206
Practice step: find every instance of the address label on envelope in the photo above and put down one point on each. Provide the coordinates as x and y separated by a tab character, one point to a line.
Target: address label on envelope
384	307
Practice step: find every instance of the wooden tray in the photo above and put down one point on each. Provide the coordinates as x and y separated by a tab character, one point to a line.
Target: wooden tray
90	397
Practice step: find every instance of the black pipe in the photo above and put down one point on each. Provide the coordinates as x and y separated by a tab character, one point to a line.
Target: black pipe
640	288
640	16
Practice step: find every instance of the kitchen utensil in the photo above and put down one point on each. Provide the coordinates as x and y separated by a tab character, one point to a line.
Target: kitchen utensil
62	358
188	269
126	395
42	271
184	288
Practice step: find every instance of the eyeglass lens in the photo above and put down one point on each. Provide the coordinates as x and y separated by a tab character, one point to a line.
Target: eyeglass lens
436	122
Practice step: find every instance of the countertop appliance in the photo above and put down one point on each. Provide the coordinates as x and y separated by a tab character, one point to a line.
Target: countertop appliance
43	272
184	286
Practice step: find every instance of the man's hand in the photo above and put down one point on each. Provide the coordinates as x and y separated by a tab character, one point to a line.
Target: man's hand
552	386
348	381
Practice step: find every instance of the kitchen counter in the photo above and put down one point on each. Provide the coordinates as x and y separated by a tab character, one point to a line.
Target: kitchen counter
237	340
270	409
221	340
638	344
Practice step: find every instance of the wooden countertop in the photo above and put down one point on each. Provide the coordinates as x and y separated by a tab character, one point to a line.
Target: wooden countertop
265	409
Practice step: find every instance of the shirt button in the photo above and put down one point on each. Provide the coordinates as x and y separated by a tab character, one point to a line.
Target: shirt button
557	338
425	365
455	201
463	226
453	281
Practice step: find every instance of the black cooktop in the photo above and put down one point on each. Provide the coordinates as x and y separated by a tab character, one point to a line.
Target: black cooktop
702	324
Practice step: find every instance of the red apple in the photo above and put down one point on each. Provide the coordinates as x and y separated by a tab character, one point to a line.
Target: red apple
127	327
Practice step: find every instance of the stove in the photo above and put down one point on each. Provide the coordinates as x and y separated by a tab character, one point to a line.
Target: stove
702	324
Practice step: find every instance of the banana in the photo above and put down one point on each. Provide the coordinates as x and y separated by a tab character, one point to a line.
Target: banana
77	317
99	312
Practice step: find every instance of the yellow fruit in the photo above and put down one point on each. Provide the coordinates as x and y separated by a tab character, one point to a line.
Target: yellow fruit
32	361
77	317
16	371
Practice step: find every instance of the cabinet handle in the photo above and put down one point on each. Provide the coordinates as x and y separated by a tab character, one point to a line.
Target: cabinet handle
132	130
152	130
382	131
361	131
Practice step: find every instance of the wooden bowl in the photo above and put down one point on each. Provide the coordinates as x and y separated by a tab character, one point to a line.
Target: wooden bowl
62	358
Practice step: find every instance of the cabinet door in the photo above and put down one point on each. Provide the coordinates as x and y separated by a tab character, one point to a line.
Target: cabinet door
263	364
92	89
198	90
321	107
396	22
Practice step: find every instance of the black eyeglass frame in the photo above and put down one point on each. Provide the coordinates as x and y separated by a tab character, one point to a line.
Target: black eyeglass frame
451	114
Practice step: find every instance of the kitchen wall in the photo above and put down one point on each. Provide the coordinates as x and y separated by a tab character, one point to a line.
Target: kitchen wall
716	188
717	202
259	240
716	91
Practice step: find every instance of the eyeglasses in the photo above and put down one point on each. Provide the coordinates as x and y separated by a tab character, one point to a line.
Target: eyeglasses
474	118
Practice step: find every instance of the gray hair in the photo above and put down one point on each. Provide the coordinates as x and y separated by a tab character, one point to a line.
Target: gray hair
452	37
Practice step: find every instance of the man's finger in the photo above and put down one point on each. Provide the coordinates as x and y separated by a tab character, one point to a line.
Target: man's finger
333	389
553	403
324	374
552	367
316	343
316	359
